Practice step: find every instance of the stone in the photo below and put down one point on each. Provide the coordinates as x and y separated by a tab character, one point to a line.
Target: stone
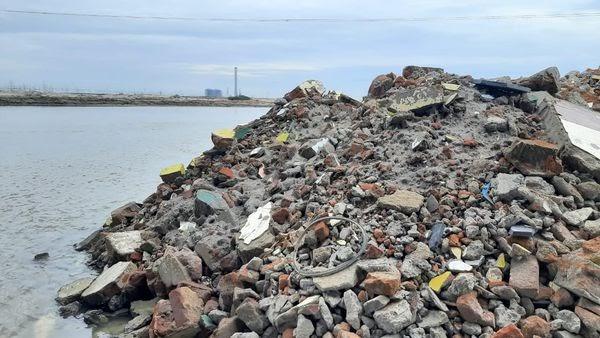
437	282
589	190
457	265
124	213
524	276
186	307
470	310
592	228
228	327
495	123
353	309
72	309
381	84
471	329
509	331
562	298
474	250
142	307
402	200
72	291
506	186
539	185
109	283
577	272
162	323
577	217
321	254
171	271
566	189
505	292
571	321
382	283
534	326
590	319
304	327
463	283
341	280
171	173
505	316
250	313
545	80
123	244
325	313
433	319
394	317
375	304
208	203
308	88
222	139
256	247
245	335
190	260
534	157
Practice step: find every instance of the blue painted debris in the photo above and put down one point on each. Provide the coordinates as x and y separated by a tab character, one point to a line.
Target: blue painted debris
485	192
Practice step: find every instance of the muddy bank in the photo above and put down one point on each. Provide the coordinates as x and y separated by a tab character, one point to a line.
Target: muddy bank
84	99
440	205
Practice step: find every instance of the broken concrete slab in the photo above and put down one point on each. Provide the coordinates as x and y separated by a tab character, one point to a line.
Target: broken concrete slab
402	200
345	279
108	284
123	244
534	157
72	291
525	276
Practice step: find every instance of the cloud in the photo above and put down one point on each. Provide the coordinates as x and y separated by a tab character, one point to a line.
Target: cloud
254	69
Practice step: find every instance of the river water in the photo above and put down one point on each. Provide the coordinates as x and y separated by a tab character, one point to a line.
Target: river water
62	170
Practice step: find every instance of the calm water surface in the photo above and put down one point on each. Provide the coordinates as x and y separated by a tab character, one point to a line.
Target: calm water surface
62	170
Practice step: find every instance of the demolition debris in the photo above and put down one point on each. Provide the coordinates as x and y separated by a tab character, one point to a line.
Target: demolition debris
439	205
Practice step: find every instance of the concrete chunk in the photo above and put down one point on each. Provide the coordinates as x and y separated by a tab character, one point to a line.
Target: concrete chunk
108	284
123	244
525	276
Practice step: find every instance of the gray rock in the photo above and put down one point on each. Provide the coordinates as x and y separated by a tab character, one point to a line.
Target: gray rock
505	316
71	292
571	322
353	309
137	322
566	189
416	261
474	250
506	186
577	217
375	304
394	317
108	284
592	228
321	254
402	200
341	280
345	253
463	283
472	329
249	313
304	327
256	247
142	307
325	313
589	190
171	271
495	123
505	292
433	319
544	80
538	184
245	335
123	244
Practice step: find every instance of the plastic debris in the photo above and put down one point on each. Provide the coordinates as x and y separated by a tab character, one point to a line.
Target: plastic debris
485	192
282	137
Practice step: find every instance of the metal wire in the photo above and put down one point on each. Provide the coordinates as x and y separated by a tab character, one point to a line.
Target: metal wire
329	271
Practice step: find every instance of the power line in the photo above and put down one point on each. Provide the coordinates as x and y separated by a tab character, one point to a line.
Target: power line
326	20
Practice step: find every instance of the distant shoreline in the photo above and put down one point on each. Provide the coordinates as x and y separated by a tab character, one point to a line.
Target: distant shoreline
87	99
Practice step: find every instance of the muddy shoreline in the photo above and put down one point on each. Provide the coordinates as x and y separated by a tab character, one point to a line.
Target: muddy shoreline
86	99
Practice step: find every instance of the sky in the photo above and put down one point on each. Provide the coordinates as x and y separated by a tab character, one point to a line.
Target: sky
185	57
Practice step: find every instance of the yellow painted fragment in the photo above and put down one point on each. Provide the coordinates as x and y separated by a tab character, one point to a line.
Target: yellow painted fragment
456	251
437	282
501	262
225	133
283	137
450	86
172	169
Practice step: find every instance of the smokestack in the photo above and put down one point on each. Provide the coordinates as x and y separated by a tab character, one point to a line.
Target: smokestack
235	90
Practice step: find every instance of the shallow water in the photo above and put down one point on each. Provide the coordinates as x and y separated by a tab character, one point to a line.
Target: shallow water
62	170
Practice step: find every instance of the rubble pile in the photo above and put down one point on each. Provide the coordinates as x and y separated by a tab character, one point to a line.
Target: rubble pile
439	205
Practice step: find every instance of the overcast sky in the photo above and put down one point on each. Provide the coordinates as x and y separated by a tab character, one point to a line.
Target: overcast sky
188	56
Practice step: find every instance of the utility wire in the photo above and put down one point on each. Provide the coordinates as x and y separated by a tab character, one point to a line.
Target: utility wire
327	20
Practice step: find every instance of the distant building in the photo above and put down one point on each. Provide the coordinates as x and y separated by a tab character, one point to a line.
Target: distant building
213	93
